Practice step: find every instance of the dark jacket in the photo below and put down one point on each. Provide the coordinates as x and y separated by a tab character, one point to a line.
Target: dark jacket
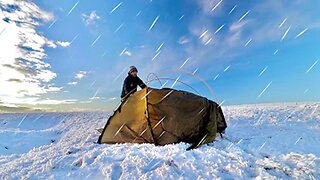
130	85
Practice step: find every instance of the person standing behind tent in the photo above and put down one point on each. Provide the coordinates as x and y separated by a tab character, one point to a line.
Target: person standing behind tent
131	83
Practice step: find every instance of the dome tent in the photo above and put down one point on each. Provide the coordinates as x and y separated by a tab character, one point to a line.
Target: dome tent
164	116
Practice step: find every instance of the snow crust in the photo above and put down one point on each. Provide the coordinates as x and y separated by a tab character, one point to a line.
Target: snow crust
266	141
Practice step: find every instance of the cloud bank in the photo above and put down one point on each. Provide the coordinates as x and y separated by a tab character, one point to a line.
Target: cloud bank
24	73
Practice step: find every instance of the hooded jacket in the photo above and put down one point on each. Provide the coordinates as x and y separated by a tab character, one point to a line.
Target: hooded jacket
130	85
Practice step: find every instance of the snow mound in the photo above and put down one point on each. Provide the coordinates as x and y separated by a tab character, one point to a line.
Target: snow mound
262	141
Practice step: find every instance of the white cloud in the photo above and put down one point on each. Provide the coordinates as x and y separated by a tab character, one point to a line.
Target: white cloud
90	19
81	74
205	35
183	40
125	52
95	98
63	43
112	99
23	71
128	53
207	6
72	83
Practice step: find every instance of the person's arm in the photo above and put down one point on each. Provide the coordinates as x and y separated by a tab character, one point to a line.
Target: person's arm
125	88
141	83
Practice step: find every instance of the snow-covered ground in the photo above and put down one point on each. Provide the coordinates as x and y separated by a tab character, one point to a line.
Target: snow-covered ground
269	141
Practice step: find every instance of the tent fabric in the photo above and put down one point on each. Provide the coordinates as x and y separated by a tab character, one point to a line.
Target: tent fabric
164	116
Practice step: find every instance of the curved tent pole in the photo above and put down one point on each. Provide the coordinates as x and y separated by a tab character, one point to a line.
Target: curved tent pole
177	81
194	75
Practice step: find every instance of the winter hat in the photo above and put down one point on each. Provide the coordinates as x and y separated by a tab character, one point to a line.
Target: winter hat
132	68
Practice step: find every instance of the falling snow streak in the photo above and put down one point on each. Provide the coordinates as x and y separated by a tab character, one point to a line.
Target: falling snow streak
52	23
262	145
138	13
143	132
74	38
194	72
226	69
152	167
202	140
123	70
217	5
75	5
88	176
103	54
166	95
290	115
305	91
204	33
94	42
92	84
22	120
216	77
155	56
119	27
37	118
175	82
281	24
298	140
124	50
95	94
243	16
312	66
154	22
263	71
248	42
184	62
230	146
181	17
302	32
208	41
146	95
258	122
118	130
201	110
115	8
285	33
2	30
239	142
264	90
160	47
221	103
275	52
219	28
314	110
159	122
234	7
163	85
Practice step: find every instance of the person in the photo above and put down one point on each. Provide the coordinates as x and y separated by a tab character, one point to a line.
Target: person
131	83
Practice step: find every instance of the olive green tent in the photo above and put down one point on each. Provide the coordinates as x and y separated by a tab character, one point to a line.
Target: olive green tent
164	116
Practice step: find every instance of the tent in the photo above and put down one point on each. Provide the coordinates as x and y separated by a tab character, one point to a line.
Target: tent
164	116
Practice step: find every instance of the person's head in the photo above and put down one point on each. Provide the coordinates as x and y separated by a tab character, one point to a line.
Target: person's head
133	71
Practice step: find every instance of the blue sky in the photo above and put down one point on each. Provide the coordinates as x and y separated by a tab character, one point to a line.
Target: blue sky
75	54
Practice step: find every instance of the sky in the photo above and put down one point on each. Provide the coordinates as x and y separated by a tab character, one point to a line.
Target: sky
74	55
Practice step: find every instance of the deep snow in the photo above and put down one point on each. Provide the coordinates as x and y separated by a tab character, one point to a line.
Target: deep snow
268	141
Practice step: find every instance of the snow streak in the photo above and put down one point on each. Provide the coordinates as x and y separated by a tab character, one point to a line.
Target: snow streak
75	5
234	7
312	66
243	16
154	22
215	7
264	89
116	7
